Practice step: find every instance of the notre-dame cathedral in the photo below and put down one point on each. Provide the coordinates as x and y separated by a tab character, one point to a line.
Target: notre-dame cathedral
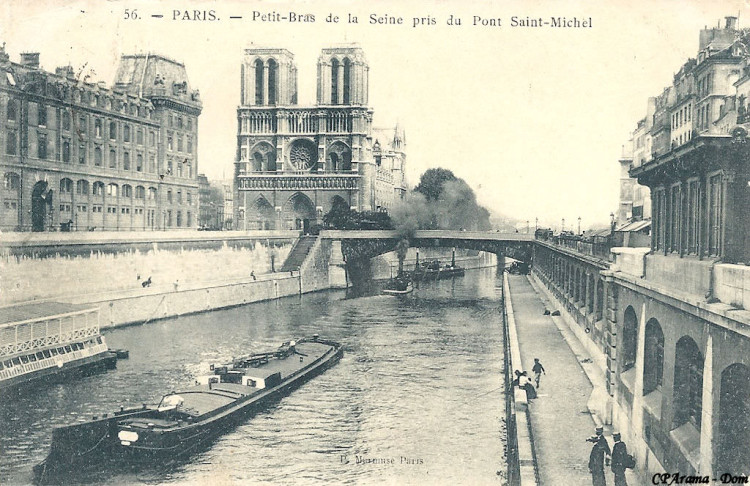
294	163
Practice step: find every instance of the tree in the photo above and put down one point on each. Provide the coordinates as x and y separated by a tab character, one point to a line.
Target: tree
432	182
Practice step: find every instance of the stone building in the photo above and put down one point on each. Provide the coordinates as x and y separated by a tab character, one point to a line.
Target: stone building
78	155
294	163
668	324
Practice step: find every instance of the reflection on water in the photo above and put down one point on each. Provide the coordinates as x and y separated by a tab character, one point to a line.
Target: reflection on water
416	399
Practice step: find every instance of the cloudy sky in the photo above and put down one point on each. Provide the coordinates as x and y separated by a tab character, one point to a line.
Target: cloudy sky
533	118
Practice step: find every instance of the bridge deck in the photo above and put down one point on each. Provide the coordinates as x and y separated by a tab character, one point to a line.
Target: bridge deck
426	234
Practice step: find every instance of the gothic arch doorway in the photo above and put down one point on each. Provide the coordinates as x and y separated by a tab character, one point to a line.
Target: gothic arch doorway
263	215
41	197
300	212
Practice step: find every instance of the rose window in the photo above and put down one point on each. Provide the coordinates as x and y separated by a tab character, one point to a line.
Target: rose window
302	156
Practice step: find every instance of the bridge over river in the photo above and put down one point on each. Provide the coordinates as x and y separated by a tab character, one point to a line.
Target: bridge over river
358	247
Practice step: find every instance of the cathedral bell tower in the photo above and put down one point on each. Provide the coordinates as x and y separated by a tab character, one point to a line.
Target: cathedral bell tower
343	76
269	78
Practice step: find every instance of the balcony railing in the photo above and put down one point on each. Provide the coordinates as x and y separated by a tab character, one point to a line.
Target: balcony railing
294	180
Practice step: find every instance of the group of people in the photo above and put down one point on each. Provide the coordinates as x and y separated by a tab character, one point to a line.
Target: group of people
601	455
617	457
524	382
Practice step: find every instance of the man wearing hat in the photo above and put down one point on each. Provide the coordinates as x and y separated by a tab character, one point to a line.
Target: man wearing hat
596	458
620	458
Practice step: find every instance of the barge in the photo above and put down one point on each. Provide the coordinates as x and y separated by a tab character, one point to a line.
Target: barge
186	419
49	342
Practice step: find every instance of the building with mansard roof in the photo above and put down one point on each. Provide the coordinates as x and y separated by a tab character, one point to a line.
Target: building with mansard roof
294	163
78	155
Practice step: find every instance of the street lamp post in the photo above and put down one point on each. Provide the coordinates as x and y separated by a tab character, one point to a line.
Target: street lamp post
579	225
562	227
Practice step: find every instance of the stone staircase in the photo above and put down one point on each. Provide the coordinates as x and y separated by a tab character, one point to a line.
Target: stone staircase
298	253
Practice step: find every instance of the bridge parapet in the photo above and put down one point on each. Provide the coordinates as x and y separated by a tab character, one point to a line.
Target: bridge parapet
425	234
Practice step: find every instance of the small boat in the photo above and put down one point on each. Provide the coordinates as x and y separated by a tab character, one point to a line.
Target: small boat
433	270
188	418
400	285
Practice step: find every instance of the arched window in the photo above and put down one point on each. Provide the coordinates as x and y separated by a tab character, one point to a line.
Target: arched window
112	159
152	193
82	187
139	163
126	160
629	339
347	81
140	192
273	69
334	81
112	130
112	190
98	189
169	196
189	197
66	186
258	82
688	382
126	133
653	357
127	191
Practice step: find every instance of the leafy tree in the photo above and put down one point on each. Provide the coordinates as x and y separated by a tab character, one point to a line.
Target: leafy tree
432	181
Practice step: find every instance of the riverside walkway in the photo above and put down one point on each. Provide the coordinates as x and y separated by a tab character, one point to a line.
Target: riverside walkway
560	418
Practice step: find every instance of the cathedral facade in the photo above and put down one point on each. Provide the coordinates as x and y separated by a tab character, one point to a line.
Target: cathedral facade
294	163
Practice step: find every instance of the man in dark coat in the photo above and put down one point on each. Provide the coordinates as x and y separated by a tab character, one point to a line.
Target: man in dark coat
620	458
596	458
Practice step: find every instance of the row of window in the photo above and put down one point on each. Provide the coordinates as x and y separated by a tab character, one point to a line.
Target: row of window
150	214
182	168
40	355
93	100
11	182
179	122
682	116
688	217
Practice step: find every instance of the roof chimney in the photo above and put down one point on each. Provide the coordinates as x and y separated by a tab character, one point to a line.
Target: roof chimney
731	23
30	59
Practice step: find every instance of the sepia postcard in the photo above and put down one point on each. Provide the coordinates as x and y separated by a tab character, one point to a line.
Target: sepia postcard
397	243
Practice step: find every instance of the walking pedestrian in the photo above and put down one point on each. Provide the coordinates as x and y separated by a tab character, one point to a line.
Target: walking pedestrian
538	369
620	460
596	458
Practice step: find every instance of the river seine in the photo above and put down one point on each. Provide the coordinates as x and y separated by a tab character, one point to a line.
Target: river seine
416	399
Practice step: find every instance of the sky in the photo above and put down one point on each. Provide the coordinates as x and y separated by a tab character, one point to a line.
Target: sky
534	119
